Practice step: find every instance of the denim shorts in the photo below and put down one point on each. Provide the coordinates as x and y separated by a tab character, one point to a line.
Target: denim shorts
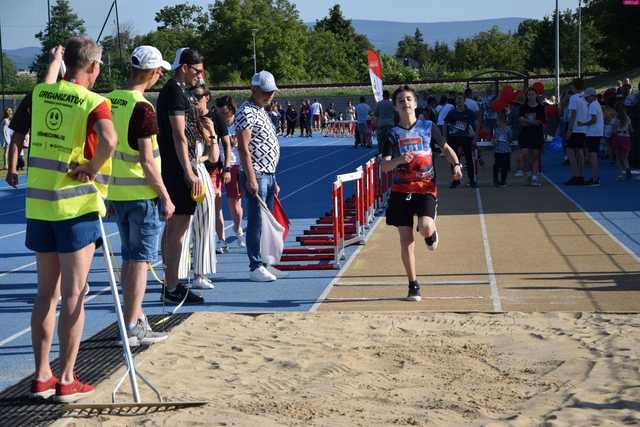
65	236
140	227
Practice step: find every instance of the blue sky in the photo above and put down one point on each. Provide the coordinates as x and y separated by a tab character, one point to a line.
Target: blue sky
21	19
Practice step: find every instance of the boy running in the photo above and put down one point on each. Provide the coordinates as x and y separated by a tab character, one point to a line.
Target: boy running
407	152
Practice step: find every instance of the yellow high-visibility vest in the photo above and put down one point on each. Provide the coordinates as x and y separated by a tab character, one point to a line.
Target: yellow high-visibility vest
60	112
127	177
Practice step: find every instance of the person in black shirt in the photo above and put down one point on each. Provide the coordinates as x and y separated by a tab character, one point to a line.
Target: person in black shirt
292	117
459	131
531	137
177	142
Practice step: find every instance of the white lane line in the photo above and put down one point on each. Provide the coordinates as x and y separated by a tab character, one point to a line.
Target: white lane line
11	212
326	175
12	234
323	295
495	293
86	300
359	299
22	267
432	283
602	227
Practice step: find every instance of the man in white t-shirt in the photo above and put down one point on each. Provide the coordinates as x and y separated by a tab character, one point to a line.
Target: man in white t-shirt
316	114
442	114
595	131
577	133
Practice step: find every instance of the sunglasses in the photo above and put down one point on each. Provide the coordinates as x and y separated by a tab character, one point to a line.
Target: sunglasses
196	70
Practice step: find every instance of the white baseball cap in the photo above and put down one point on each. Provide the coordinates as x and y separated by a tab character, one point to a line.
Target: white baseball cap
148	58
265	81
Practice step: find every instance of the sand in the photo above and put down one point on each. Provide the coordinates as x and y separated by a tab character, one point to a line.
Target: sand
387	369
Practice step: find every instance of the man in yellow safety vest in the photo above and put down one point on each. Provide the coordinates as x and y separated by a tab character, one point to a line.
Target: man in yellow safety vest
72	139
136	187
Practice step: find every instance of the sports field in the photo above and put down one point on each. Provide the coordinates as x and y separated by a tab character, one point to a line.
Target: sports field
504	253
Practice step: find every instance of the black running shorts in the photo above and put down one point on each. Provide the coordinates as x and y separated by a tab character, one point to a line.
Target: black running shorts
404	206
576	141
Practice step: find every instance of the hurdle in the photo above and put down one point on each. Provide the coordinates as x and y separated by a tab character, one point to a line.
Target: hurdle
346	224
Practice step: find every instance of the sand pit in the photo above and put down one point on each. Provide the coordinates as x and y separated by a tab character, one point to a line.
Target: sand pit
385	369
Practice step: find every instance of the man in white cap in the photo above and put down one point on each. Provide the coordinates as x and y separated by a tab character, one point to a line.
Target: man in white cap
136	191
259	151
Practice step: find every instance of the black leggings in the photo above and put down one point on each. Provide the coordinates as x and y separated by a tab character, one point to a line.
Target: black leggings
501	166
465	143
291	127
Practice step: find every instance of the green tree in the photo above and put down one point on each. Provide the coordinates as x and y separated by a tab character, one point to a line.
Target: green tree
353	44
281	38
64	25
327	60
9	72
414	47
498	50
616	32
182	17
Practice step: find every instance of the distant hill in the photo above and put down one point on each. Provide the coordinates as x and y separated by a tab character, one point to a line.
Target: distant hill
385	35
23	57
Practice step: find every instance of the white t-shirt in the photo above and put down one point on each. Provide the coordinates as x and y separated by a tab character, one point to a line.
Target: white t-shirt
596	129
316	108
472	105
443	113
578	104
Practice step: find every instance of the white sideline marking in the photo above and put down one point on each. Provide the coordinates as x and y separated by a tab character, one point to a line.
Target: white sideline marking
495	293
602	227
344	268
356	299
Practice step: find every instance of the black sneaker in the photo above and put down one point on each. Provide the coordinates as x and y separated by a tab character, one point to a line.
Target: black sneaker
180	293
593	182
432	241
454	184
580	180
473	184
414	292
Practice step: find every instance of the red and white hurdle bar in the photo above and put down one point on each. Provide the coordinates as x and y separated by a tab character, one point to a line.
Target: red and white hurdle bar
345	225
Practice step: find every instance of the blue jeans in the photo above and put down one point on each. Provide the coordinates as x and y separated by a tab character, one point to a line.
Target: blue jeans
266	190
140	228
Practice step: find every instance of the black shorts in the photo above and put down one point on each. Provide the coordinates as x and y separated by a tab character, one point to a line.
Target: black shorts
180	194
593	143
531	142
577	141
404	206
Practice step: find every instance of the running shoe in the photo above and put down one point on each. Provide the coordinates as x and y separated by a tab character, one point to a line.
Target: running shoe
535	181
44	389
69	393
593	182
179	294
261	274
222	247
202	282
473	184
432	241
278	273
240	240
519	173
414	293
454	184
142	334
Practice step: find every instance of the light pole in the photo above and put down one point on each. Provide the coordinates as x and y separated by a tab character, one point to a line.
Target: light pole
579	38
557	53
255	67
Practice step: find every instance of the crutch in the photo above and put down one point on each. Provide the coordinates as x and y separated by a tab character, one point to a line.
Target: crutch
138	406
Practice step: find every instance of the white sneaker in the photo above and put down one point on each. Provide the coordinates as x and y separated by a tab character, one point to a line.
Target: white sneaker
222	247
202	282
240	240
519	173
278	273
261	274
